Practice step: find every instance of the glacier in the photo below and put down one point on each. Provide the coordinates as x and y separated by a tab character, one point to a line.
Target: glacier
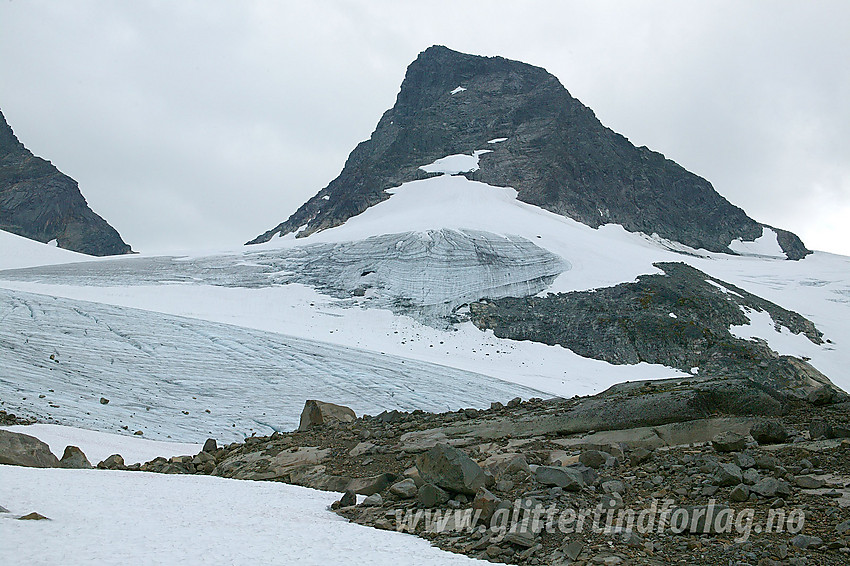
183	379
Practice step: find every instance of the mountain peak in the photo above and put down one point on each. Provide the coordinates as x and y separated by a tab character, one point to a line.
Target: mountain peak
39	202
555	153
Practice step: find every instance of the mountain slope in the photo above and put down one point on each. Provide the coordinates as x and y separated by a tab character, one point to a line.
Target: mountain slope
39	202
553	151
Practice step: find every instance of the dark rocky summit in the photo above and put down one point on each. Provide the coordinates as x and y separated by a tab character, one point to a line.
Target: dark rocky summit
556	154
39	202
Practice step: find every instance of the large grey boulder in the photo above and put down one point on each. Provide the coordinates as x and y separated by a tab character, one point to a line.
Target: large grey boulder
24	450
430	495
566	478
74	458
372	484
729	442
769	432
451	469
727	475
405	489
318	413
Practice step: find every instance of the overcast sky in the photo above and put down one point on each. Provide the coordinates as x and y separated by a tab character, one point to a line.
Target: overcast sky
205	123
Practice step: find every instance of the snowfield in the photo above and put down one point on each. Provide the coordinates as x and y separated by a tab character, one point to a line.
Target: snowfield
113	517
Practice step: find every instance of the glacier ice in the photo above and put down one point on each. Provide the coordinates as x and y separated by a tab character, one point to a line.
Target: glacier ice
185	379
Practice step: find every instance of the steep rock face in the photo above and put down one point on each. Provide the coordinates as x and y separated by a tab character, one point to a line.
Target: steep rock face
556	154
39	202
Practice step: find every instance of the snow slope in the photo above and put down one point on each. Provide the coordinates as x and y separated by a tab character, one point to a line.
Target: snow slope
113	517
17	251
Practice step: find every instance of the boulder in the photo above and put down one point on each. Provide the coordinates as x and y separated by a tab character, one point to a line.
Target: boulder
740	494
210	445
451	469
639	455
405	489
806	541
487	503
371	484
769	432
729	442
809	482
613	486
500	464
771	487
374	500
569	479
33	516
744	460
348	499
258	466
430	495
594	458
820	429
23	450
751	476
74	458
317	413
727	475
821	396
114	462
362	449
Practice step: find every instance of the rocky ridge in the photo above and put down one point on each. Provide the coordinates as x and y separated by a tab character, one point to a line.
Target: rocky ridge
39	202
554	152
681	318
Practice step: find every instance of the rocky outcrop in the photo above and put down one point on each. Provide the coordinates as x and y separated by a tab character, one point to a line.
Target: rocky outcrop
556	154
681	319
23	450
39	202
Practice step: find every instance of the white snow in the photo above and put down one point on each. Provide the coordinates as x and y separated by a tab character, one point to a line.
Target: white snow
457	90
817	287
456	164
17	252
765	245
778	338
98	446
673	315
326	197
497	140
115	517
53	243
